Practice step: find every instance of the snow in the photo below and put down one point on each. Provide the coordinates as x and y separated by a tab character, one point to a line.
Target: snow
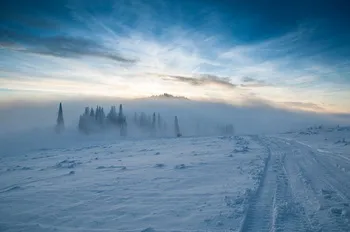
143	185
297	181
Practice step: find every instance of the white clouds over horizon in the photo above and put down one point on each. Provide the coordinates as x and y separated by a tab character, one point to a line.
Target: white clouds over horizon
281	70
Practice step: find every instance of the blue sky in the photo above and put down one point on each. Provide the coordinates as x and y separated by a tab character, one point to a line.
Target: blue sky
293	54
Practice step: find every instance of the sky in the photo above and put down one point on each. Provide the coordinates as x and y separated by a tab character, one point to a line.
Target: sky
292	54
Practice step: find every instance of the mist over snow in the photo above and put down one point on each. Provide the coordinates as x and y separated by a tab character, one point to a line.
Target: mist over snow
164	115
30	125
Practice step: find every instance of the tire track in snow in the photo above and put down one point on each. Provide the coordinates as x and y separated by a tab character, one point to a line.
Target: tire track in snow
273	207
290	215
260	211
320	188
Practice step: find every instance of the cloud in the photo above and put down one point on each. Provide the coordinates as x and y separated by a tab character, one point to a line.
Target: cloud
60	46
252	82
201	79
304	106
248	79
146	38
223	81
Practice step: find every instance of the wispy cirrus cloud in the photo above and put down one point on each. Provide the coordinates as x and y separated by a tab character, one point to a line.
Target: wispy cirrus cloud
252	82
304	105
60	46
199	80
136	43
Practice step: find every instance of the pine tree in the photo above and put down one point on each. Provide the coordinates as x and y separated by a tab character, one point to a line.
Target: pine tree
97	113
112	115
60	120
92	113
159	121
87	111
120	110
154	121
102	113
177	127
102	116
122	121
82	124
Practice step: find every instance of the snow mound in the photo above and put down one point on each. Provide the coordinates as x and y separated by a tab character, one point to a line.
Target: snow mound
181	166
68	164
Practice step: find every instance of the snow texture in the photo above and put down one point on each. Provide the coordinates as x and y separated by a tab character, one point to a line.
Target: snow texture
297	181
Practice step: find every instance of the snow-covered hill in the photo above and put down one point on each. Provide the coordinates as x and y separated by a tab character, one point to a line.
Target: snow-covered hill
287	182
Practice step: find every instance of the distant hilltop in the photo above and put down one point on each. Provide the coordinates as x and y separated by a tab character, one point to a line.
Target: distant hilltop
168	96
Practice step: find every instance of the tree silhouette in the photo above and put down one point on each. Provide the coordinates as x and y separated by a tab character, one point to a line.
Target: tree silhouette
60	120
154	121
159	121
92	113
177	127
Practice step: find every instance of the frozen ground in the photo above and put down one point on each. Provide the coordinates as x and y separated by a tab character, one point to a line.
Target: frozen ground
288	182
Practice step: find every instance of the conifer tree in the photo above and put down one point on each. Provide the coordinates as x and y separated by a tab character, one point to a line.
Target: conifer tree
102	113
97	113
87	111
120	110
102	116
159	121
177	127
112	115
154	121
82	124
60	120
122	121
92	113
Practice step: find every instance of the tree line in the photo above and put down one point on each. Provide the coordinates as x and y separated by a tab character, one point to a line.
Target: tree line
95	120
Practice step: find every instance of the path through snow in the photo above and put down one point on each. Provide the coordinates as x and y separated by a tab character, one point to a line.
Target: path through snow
302	189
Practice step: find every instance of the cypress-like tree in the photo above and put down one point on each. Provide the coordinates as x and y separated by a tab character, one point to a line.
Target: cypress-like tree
122	121
112	116
101	116
120	110
177	127
154	121
60	120
87	111
159	121
97	113
92	113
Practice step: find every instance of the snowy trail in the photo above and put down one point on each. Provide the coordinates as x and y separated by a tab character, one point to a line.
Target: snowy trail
259	215
302	189
273	208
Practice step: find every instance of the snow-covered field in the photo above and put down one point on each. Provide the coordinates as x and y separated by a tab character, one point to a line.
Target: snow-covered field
298	181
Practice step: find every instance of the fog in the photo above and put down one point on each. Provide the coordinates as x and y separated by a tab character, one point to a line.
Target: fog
27	125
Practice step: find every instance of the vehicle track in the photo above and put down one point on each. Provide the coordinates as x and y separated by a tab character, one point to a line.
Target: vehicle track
320	187
301	189
273	208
